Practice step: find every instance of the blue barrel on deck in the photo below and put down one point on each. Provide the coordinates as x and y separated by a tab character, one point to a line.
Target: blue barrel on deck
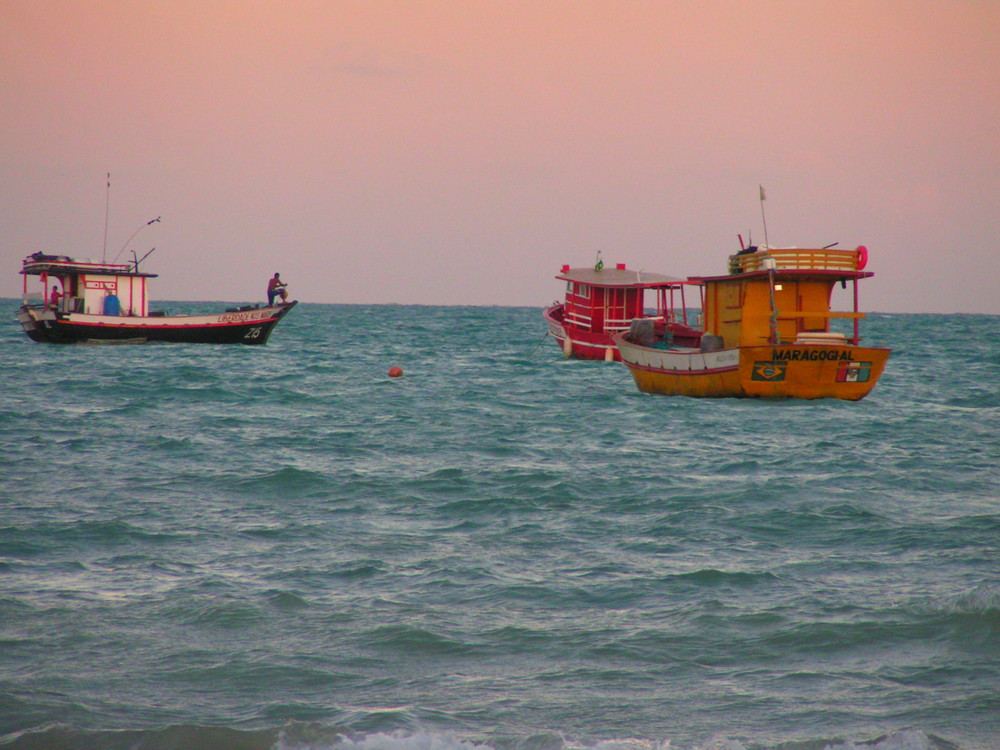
112	305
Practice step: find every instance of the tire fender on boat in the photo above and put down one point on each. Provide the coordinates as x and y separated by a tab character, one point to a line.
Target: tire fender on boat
860	257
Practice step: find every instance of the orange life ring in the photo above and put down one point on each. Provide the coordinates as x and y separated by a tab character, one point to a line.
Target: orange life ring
860	257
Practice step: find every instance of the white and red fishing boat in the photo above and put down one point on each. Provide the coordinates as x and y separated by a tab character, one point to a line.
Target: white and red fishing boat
76	300
601	302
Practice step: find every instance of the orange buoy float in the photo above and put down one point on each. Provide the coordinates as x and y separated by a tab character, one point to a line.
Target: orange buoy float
395	372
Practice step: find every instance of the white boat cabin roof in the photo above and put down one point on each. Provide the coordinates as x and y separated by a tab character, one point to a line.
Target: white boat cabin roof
61	265
617	277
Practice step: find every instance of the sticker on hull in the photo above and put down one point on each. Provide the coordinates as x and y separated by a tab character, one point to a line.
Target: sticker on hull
854	372
771	372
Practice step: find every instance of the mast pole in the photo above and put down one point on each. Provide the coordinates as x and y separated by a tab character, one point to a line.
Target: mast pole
107	202
770	271
857	339
763	218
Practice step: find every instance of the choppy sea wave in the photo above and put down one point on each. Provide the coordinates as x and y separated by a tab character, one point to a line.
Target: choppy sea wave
313	736
282	547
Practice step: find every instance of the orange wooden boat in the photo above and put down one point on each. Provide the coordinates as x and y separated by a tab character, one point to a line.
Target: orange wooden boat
766	332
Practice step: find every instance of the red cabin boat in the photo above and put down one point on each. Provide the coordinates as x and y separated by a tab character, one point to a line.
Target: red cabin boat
601	302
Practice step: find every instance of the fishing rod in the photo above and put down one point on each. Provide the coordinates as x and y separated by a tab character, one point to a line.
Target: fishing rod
141	227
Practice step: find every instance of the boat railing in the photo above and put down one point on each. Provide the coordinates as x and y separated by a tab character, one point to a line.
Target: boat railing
577	318
622	324
811	259
66	304
822	314
610	324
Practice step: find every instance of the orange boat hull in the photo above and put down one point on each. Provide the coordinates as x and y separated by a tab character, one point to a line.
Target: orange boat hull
785	371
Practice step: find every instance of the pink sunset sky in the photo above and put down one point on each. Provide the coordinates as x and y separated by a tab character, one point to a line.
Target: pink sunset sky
459	152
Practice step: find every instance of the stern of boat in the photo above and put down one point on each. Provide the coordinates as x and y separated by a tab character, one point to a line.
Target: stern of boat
38	321
811	371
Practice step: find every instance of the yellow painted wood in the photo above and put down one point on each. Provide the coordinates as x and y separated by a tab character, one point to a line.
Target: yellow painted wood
762	316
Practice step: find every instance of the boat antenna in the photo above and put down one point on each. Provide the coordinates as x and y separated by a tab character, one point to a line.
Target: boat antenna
151	221
763	197
107	203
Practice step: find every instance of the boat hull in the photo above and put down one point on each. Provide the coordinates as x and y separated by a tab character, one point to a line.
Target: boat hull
250	326
806	371
579	343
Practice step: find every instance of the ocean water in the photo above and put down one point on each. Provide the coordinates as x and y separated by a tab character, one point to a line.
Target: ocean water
283	547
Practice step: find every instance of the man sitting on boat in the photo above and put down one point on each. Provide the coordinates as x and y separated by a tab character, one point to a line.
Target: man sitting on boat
276	288
55	297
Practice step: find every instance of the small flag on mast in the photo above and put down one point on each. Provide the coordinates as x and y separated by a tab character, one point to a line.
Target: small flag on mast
763	195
